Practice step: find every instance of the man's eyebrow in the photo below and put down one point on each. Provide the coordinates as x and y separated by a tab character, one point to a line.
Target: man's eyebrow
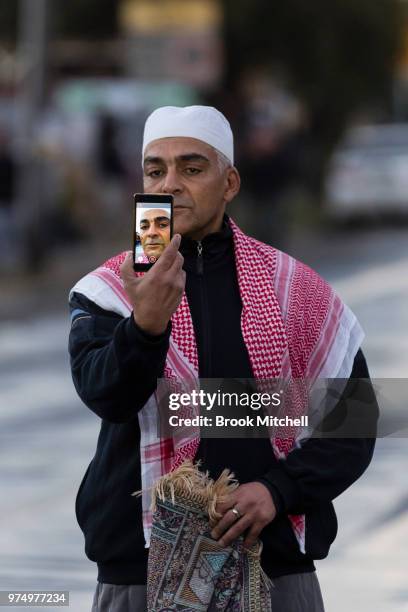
186	157
152	160
162	218
193	157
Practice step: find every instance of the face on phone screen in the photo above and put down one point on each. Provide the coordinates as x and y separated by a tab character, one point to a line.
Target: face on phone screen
153	231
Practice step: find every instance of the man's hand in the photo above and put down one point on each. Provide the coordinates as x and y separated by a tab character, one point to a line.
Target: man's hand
256	509
156	295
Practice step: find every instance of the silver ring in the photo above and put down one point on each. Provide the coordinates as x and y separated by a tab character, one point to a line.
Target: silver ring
236	512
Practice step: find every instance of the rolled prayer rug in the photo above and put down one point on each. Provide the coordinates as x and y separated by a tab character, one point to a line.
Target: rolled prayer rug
187	569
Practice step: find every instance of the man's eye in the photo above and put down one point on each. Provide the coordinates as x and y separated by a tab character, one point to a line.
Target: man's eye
154	173
193	170
164	224
143	227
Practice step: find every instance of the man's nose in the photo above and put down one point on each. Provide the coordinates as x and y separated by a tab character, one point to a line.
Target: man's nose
152	231
171	182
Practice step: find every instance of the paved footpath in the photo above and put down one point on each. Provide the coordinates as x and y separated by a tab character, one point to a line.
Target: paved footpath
367	569
47	438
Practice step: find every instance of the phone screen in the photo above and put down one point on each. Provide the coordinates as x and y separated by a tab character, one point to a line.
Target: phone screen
153	228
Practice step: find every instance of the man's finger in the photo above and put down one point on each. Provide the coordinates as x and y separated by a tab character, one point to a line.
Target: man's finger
252	536
228	502
228	519
235	531
223	524
166	259
177	264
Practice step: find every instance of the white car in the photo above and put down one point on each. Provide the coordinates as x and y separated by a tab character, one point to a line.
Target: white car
368	173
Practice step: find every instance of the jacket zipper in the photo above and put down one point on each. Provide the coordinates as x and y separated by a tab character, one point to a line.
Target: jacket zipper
206	366
200	267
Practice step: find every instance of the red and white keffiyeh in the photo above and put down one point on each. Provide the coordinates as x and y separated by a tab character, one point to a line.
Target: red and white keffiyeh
294	327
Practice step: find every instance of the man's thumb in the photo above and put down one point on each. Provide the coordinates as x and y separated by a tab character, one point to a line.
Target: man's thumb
169	253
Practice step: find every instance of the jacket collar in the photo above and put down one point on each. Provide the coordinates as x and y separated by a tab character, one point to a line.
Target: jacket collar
215	248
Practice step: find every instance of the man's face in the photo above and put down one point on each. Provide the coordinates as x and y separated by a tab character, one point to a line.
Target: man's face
189	170
154	230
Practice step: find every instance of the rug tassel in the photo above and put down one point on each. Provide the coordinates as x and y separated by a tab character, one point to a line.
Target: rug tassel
187	481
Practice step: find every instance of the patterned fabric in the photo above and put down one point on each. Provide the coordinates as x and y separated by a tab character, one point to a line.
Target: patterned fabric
294	327
187	568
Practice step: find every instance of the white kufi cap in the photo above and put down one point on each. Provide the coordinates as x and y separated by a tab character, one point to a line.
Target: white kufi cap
202	122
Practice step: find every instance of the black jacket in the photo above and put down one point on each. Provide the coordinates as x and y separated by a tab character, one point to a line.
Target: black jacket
115	366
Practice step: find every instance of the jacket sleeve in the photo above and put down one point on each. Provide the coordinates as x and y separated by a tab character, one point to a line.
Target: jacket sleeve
323	467
114	364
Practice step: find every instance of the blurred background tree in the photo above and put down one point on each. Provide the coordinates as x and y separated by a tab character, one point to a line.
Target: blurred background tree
87	19
337	57
8	21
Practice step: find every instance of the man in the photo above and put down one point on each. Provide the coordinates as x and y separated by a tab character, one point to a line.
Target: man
218	304
154	233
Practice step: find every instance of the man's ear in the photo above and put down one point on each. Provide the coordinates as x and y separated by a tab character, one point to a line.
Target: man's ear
233	184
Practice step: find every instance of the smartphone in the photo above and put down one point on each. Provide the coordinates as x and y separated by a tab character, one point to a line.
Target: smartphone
152	228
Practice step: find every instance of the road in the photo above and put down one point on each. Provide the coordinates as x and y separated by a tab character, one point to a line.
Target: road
47	438
367	569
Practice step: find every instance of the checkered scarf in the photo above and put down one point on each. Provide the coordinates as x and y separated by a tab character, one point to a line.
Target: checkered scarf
294	327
